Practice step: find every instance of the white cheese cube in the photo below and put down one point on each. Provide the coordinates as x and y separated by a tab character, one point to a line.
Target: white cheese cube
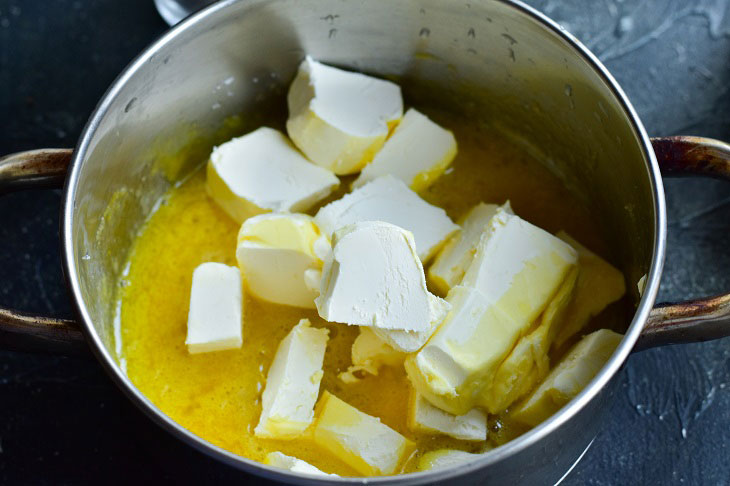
568	378
277	257
216	308
292	383
599	284
424	417
417	153
389	199
445	458
262	172
374	278
338	118
360	440
454	258
517	269
277	459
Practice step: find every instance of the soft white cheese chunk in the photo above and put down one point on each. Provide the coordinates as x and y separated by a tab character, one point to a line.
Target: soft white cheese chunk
374	278
412	341
276	254
424	417
454	258
445	458
369	353
599	284
277	459
389	199
516	271
417	153
568	378
292	383
216	308
262	172
338	118
362	441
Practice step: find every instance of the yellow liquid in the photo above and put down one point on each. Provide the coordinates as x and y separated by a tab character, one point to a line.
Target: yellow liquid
217	395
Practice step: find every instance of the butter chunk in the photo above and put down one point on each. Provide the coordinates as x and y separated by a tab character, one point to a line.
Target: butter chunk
424	417
528	363
445	458
568	378
390	200
360	440
292	383
516	271
454	258
262	172
277	459
369	353
277	255
216	307
338	118
417	153
374	278
599	284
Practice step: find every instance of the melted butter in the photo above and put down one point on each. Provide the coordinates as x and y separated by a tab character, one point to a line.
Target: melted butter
217	395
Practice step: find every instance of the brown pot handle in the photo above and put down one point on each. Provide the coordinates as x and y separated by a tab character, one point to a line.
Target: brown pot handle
701	319
20	331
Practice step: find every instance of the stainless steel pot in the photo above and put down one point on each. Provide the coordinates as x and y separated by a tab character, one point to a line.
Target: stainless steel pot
497	62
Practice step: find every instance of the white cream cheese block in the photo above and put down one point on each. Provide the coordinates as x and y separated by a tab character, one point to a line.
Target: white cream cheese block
262	172
338	118
424	417
417	153
599	284
516	271
375	278
215	317
451	263
360	440
278	257
389	199
568	378
292	383
445	458
412	341
277	459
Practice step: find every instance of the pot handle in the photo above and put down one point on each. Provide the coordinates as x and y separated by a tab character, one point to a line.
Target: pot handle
701	319
20	331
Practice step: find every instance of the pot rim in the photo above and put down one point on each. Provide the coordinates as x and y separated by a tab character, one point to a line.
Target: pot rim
496	455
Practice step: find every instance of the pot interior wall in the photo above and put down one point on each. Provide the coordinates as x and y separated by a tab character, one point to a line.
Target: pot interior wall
215	78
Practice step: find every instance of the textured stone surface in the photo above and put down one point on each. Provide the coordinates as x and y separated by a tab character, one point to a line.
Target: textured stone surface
63	421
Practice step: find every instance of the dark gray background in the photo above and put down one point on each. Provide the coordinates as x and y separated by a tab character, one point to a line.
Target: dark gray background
62	420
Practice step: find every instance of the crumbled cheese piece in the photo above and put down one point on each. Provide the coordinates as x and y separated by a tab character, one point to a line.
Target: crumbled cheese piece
424	417
374	278
276	255
340	119
417	153
262	172
390	200
292	383
454	258
369	353
360	440
216	307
